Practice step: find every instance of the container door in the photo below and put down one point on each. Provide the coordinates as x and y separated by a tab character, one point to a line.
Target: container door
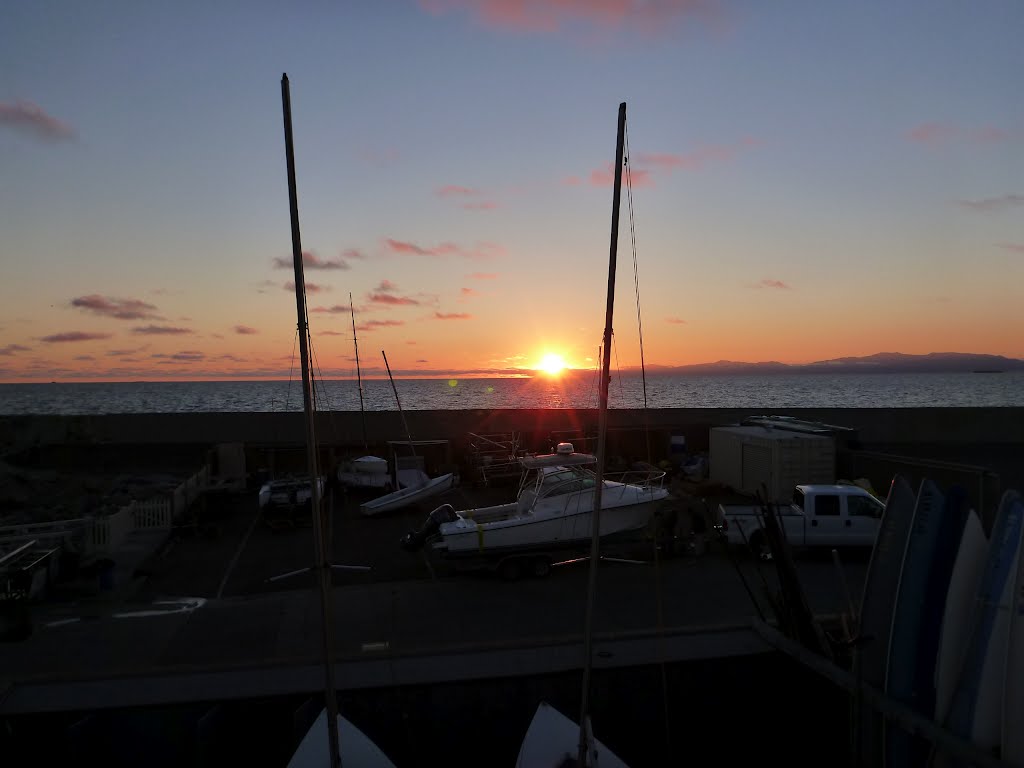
757	468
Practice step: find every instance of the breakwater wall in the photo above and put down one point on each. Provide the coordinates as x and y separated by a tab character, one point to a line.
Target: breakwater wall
949	427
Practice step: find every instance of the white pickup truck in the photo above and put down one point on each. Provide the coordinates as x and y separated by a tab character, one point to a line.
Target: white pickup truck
819	516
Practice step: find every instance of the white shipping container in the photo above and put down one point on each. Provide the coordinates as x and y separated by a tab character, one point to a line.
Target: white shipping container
744	458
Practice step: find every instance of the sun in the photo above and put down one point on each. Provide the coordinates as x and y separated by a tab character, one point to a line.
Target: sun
551	364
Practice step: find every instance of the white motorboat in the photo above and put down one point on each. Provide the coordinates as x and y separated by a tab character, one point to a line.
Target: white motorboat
366	472
553	508
288	492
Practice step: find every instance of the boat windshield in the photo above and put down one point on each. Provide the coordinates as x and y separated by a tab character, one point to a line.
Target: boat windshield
562	480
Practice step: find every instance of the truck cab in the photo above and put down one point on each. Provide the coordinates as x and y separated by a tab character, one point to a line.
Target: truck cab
819	515
837	514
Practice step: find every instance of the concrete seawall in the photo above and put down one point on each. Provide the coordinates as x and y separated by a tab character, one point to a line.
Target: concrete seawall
952	427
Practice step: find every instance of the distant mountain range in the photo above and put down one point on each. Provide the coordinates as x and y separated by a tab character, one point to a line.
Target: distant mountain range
883	362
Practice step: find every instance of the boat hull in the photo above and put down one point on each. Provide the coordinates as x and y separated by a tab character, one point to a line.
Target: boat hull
466	536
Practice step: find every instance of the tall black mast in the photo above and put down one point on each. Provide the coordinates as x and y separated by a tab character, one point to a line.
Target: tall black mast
323	571
602	430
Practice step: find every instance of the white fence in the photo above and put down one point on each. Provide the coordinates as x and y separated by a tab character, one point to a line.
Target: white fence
152	514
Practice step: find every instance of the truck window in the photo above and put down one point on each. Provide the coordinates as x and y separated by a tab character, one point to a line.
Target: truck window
861	506
826	505
798	499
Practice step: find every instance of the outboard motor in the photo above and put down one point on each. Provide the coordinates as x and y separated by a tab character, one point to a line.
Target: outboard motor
414	540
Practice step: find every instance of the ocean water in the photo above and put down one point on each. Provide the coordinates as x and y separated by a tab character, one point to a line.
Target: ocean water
845	390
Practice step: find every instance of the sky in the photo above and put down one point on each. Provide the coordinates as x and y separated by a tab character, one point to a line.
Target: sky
806	181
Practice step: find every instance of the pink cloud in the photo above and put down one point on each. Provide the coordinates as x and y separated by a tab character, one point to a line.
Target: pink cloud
310	287
10	349
122	309
482	275
675	321
386	286
30	118
185	356
547	16
454	190
245	330
605	177
769	283
371	325
931	133
161	330
74	336
469	292
483	205
453	316
479	251
330	333
993	203
353	253
336	309
1012	247
311	261
387	298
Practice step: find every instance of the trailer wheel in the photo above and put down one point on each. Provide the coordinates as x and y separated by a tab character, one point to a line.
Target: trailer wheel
510	569
541	566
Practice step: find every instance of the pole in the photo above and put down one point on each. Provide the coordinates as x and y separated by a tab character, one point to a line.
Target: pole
323	570
602	429
359	378
401	413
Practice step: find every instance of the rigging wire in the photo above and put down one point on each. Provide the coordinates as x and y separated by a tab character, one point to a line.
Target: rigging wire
647	440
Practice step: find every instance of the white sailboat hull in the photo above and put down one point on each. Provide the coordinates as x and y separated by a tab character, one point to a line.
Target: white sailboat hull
553	738
404	497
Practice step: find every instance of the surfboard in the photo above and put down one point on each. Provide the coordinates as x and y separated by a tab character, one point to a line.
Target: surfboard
876	610
935	531
976	711
956	625
1013	694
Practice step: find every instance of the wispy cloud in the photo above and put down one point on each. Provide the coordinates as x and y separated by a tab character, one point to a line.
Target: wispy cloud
353	253
372	325
482	205
453	316
30	118
675	321
59	338
311	261
122	309
10	349
482	276
85	358
186	356
478	251
769	283
310	287
391	300
1012	247
123	352
330	333
644	168
545	16
245	330
161	330
386	286
993	203
937	134
337	309
467	292
455	190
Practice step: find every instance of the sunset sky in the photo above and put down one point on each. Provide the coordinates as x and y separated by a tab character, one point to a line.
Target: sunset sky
809	181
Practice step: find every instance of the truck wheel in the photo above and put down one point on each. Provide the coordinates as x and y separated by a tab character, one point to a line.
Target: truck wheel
541	566
510	569
759	546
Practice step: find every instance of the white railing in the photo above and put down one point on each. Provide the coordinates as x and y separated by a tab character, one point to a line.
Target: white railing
152	513
108	532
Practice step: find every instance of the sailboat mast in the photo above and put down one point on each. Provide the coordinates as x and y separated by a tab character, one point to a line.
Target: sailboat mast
323	571
408	434
359	378
602	430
